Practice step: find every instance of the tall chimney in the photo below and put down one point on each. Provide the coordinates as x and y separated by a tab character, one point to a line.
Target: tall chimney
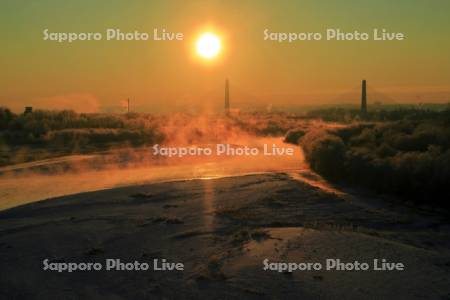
363	97
227	96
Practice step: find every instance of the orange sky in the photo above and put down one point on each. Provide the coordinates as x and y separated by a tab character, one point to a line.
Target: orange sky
166	75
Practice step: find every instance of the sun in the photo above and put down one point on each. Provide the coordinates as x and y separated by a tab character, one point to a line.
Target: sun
208	45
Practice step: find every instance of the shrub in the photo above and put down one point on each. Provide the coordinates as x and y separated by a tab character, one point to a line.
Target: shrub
410	159
325	152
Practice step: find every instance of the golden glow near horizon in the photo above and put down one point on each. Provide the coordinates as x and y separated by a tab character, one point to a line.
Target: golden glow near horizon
208	45
96	75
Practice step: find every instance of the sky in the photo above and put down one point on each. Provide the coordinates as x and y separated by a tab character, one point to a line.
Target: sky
168	76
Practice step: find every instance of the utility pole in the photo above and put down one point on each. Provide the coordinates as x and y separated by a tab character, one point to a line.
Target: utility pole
128	105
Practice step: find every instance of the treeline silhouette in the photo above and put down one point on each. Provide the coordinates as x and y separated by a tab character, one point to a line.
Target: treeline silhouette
267	124
44	134
394	113
409	157
67	127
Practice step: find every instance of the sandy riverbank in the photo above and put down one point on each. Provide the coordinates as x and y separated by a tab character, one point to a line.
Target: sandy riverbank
222	230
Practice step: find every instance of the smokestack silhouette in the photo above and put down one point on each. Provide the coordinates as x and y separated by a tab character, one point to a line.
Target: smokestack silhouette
227	96
363	97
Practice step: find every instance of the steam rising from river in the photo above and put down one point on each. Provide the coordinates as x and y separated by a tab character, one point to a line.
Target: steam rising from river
28	182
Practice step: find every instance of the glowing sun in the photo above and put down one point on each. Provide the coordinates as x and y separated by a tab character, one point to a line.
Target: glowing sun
208	45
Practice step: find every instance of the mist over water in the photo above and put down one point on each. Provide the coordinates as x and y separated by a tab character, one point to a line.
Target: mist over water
27	182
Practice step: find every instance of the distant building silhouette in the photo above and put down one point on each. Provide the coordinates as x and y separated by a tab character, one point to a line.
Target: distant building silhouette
28	110
363	97
227	96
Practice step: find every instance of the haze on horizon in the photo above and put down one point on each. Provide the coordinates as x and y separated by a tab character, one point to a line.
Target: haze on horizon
164	75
